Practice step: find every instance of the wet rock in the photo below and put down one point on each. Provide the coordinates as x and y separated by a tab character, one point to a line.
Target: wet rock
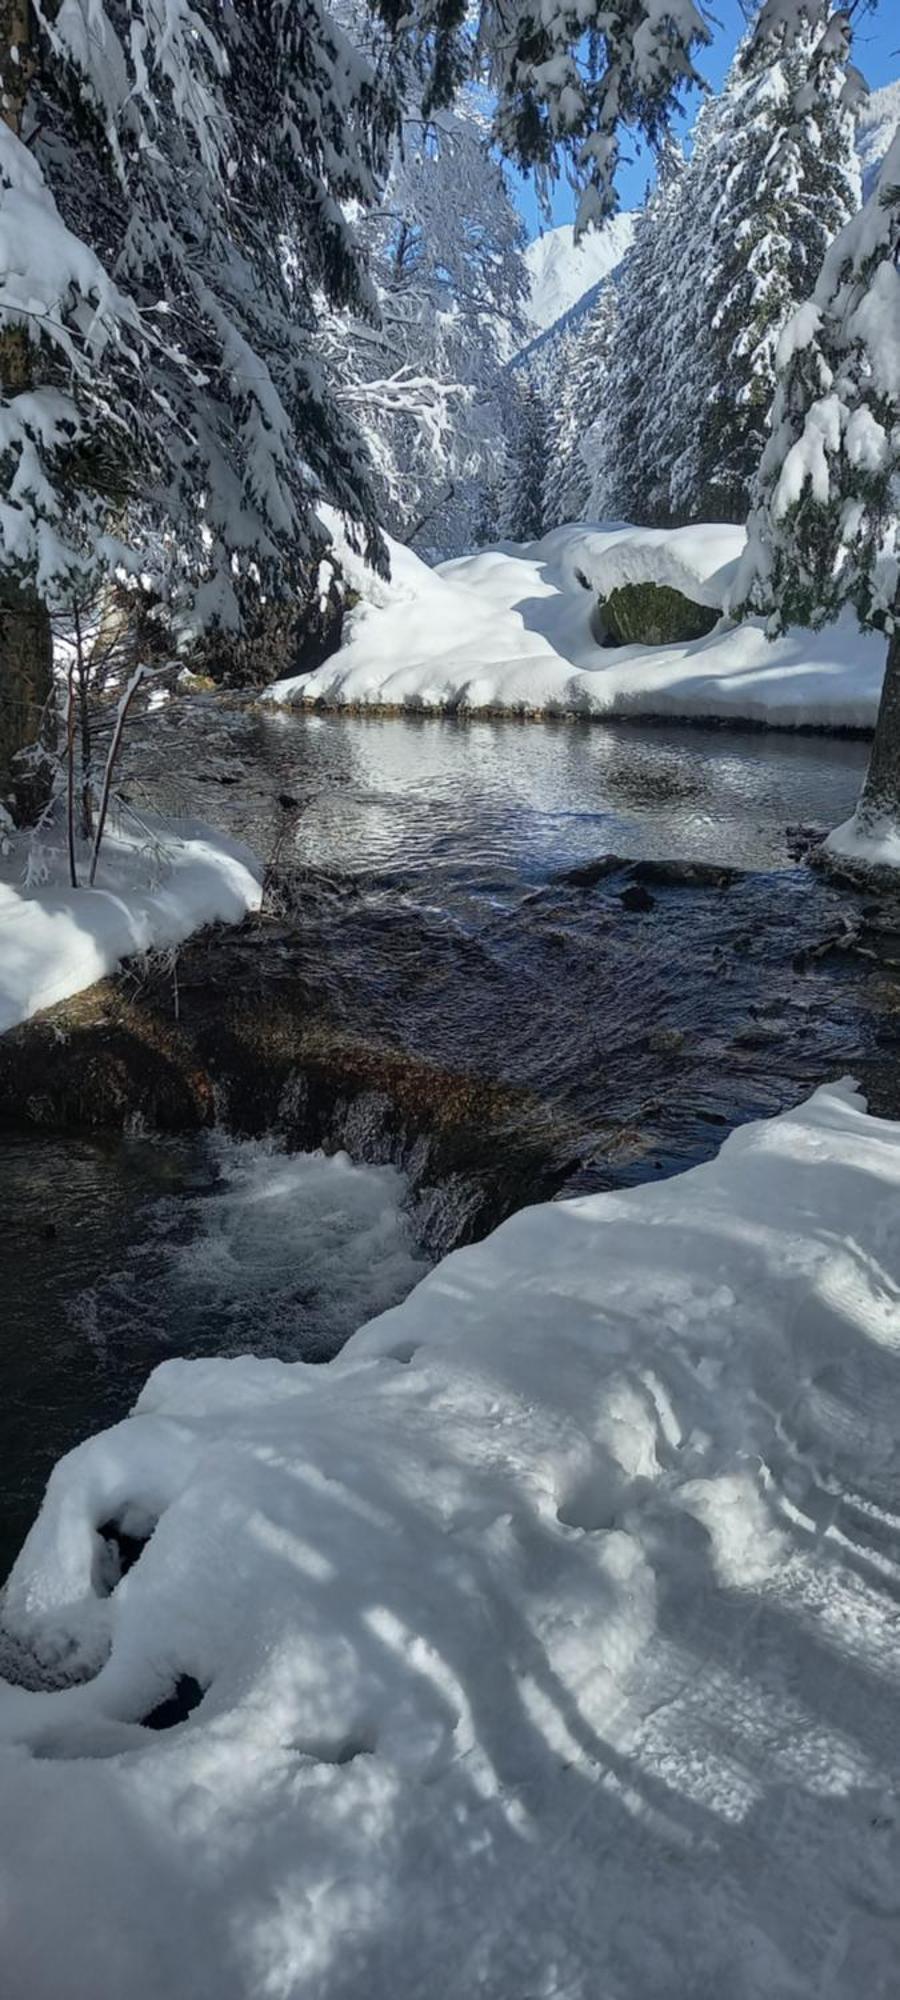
665	1041
587	873
800	840
636	897
655	874
685	874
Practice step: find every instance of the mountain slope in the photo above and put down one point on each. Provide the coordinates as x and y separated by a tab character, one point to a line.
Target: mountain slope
562	270
878	122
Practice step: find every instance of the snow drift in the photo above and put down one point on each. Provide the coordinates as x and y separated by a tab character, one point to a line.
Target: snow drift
509	631
153	889
546	1638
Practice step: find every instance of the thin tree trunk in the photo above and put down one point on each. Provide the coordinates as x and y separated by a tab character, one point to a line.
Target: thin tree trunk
121	713
880	801
26	643
87	745
70	775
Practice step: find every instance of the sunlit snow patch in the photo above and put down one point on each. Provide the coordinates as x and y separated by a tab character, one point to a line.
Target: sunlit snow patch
543	1643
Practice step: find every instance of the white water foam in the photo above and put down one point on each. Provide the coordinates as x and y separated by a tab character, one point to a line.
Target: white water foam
278	1253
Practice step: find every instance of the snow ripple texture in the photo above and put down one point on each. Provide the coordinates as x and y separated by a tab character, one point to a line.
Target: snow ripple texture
547	1638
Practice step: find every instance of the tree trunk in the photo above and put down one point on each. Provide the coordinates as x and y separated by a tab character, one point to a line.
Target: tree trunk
26	683
26	646
880	801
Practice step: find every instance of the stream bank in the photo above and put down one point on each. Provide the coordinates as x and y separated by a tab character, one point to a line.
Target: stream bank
572	960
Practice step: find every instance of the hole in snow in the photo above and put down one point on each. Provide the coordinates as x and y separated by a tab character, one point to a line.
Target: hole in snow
185	1696
124	1540
591	1504
404	1352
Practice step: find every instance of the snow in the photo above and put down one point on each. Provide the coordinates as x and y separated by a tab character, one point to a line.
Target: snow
877	122
562	271
509	630
548	1633
154	887
876	845
699	561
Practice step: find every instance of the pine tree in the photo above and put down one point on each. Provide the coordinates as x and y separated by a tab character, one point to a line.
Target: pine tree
826	528
729	245
783	181
163	410
562	482
521	500
630	465
583	367
566	77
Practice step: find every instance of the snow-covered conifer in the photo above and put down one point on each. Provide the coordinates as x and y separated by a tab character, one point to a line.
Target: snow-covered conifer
521	499
156	344
634	400
826	528
581	385
774	181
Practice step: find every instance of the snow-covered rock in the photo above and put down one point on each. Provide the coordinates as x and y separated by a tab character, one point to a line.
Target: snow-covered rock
699	561
153	889
548	1635
562	270
509	630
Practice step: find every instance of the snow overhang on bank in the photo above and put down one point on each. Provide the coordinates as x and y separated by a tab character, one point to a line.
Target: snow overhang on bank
153	889
509	631
543	1642
701	562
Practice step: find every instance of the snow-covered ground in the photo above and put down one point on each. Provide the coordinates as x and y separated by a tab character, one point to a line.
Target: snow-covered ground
153	888
509	629
549	1634
561	270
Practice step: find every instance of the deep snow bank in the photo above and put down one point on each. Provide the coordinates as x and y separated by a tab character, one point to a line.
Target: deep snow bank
509	630
549	1634
153	889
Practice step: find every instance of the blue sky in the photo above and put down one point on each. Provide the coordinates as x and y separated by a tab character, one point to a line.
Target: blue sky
877	54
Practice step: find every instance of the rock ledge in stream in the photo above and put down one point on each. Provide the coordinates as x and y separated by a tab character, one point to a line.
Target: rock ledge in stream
248	1041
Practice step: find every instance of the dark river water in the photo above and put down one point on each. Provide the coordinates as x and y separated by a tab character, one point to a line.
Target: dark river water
435	874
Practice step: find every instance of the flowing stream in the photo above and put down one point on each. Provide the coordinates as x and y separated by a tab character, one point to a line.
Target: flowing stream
446	882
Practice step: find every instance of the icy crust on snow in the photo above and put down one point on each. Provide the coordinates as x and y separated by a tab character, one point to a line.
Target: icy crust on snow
509	629
548	1635
153	889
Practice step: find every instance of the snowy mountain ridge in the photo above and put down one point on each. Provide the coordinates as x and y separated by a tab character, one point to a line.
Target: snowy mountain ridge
878	121
562	271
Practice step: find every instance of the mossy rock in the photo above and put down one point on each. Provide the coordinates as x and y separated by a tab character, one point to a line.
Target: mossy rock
653	614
